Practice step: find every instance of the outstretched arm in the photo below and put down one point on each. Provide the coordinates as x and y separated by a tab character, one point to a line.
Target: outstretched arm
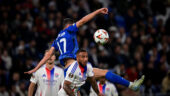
43	61
94	85
91	16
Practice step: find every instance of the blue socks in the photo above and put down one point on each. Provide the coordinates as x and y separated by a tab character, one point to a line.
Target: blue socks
116	79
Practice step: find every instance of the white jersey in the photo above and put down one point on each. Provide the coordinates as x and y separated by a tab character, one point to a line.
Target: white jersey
48	81
108	89
77	76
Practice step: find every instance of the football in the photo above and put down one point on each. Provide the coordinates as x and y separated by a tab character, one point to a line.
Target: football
101	36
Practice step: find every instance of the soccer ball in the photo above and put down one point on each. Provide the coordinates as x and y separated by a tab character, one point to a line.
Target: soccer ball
101	36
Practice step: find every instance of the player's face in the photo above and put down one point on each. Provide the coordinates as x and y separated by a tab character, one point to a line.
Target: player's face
102	80
51	60
82	58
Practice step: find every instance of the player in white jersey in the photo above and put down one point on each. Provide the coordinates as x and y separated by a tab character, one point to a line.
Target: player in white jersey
48	79
76	75
105	87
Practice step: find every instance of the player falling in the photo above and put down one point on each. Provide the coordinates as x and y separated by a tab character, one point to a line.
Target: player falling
66	43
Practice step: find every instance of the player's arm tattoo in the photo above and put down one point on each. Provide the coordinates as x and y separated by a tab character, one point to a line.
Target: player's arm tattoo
93	84
67	88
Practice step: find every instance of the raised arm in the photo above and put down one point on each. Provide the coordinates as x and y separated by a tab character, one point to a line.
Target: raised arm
43	61
67	88
94	85
91	16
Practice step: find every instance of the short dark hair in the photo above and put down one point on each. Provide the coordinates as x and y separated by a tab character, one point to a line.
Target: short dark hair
67	21
81	50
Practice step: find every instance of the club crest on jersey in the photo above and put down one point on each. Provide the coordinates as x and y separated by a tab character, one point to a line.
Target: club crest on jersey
107	89
70	75
56	75
43	75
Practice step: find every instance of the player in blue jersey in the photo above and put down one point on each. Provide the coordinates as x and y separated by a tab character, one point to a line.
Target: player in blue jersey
66	43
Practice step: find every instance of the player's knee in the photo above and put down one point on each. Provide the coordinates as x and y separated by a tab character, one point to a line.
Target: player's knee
105	70
100	72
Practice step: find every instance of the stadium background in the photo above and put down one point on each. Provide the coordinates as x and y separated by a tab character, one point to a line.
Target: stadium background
139	40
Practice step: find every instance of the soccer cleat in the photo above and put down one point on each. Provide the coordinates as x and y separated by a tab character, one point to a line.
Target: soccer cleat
137	83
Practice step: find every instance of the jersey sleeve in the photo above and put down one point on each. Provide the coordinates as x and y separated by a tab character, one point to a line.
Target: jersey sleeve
54	44
90	72
34	78
70	74
72	28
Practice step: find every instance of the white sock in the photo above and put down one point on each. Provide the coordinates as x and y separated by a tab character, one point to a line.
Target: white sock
131	83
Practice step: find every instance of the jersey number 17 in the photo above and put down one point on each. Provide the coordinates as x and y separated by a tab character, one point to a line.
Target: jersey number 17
63	40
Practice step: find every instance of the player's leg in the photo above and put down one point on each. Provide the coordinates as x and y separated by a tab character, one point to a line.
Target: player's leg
114	78
99	72
110	76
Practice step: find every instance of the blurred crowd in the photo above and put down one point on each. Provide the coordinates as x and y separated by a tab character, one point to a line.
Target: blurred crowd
139	40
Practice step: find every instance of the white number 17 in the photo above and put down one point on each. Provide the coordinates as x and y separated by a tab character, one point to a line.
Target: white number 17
63	40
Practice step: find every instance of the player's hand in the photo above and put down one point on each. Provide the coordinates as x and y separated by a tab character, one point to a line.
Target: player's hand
103	11
100	94
31	71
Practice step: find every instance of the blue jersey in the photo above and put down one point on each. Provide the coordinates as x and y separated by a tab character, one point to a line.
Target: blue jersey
66	43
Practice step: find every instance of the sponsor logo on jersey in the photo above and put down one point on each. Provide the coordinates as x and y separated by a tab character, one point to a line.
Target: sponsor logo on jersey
49	82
